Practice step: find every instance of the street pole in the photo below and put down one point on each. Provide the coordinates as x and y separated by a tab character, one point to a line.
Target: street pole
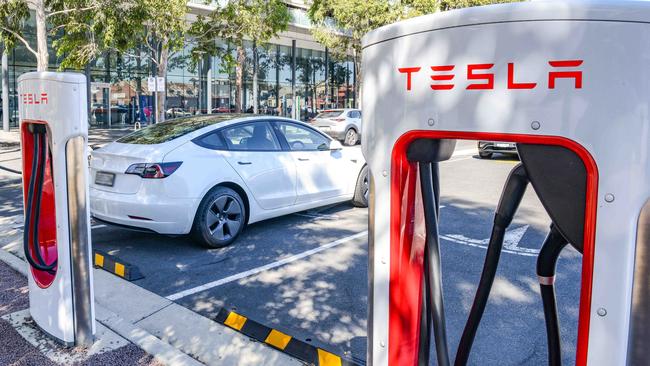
5	90
155	99
293	79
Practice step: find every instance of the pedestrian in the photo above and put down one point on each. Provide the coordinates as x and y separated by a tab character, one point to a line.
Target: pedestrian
147	113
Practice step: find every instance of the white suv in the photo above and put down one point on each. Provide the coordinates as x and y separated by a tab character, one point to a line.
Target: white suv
341	124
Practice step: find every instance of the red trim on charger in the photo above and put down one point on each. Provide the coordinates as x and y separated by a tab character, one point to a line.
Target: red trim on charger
47	241
406	269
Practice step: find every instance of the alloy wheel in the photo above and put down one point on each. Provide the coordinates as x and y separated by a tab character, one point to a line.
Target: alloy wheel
351	137
224	217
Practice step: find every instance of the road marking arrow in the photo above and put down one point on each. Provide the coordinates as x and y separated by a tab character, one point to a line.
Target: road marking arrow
510	242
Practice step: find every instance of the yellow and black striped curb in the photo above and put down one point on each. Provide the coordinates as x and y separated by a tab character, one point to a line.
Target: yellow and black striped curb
116	266
281	341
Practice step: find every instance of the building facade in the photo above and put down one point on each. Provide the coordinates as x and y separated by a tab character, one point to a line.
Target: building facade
296	78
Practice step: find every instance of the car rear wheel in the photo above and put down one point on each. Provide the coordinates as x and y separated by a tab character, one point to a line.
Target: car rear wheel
351	137
362	189
219	219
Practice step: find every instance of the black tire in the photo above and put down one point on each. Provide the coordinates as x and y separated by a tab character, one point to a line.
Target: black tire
220	218
351	137
362	189
484	155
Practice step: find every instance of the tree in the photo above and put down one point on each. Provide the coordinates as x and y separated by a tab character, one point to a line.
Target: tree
340	24
83	27
235	22
160	27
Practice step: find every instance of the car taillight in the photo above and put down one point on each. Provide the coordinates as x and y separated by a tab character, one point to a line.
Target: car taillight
338	119
153	170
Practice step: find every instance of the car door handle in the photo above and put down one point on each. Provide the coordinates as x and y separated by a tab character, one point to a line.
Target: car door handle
303	159
244	163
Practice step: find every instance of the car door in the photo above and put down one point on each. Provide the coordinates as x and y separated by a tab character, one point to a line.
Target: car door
255	154
321	173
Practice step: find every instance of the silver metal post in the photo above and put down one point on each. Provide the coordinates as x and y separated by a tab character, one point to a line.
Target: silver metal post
80	244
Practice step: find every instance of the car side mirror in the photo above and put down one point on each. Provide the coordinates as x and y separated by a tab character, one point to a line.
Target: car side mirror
335	145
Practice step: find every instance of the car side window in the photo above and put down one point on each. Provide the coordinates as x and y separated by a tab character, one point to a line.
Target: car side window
302	138
211	141
257	136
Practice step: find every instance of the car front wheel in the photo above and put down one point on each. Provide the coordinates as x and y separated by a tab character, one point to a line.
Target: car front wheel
220	218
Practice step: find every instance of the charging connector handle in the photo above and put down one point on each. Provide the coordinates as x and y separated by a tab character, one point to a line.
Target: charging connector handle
513	192
546	263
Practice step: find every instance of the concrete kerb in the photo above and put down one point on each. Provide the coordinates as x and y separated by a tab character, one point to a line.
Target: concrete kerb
172	334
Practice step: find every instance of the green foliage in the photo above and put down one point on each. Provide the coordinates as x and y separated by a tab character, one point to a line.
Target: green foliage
239	20
84	29
340	24
457	4
13	15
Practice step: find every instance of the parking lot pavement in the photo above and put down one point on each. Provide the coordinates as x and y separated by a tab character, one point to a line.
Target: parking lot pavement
306	274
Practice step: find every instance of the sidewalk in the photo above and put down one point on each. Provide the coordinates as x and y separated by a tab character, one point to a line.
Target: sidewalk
10	155
15	349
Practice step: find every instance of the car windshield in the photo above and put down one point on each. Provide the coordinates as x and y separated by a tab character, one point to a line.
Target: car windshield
329	114
167	131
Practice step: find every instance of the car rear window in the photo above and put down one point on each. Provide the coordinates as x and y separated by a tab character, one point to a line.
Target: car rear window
167	131
329	114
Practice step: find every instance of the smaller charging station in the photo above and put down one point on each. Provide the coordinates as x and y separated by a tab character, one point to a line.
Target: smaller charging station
57	245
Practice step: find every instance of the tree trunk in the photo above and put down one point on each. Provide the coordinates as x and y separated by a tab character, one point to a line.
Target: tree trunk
357	80
255	83
239	78
162	72
42	57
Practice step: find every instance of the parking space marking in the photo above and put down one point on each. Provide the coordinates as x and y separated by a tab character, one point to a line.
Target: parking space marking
254	271
97	226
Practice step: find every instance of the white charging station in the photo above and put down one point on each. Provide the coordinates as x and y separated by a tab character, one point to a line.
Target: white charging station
570	75
54	135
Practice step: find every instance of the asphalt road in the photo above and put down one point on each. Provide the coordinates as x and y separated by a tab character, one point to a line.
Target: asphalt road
306	274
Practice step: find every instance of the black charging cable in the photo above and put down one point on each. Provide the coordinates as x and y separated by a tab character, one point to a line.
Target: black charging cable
546	263
36	181
433	269
511	197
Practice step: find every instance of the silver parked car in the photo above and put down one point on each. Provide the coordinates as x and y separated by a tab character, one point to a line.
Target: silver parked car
340	124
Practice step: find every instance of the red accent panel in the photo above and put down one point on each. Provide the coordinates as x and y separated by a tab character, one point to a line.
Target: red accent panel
406	269
406	295
408	71
47	220
511	80
488	77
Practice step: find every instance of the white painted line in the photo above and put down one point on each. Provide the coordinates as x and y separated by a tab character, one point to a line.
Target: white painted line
254	271
97	226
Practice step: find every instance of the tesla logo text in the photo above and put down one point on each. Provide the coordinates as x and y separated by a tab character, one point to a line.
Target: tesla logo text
481	77
33	98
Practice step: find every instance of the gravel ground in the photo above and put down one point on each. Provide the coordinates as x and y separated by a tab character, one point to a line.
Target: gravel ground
15	350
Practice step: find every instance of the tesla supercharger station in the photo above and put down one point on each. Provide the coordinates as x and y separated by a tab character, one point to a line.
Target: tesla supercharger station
57	246
569	82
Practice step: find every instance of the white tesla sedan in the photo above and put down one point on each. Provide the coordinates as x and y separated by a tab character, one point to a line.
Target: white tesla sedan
212	175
